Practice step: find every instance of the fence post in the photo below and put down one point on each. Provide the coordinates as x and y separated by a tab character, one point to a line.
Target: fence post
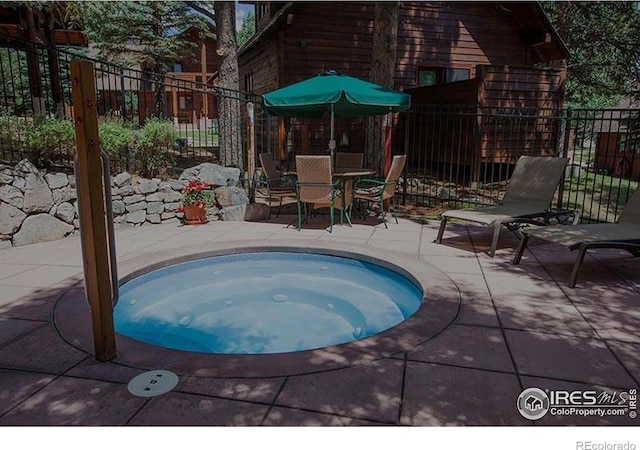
407	117
122	93
92	210
564	151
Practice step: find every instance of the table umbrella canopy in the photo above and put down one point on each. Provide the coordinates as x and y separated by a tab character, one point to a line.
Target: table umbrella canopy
339	94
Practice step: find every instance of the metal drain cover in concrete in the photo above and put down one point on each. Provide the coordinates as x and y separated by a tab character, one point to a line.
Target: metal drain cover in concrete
152	383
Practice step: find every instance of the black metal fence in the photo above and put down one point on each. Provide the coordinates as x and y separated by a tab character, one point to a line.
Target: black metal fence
36	111
463	155
458	155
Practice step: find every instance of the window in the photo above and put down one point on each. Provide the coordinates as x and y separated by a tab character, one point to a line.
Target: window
248	82
432	76
177	67
429	77
185	102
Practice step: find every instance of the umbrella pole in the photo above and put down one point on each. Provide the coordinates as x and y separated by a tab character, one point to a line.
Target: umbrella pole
332	141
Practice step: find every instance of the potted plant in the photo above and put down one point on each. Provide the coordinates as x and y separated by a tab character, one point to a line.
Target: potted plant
197	198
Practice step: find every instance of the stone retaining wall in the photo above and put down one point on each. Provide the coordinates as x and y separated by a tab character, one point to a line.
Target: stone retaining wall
36	206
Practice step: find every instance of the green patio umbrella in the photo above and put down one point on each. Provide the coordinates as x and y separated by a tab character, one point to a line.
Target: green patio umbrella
339	94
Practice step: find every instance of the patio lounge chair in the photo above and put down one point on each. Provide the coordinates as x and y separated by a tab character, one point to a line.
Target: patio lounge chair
526	200
377	191
349	160
275	187
625	234
316	188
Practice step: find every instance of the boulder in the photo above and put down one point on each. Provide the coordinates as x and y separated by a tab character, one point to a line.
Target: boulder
26	167
153	218
37	195
172	197
118	207
41	228
255	212
132	207
6	175
155	208
171	206
11	195
66	212
137	216
233	213
147	186
213	174
133	199
19	182
56	180
155	197
10	218
178	185
122	179
231	196
124	190
65	194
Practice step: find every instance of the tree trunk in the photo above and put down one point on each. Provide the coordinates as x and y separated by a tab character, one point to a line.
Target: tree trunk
159	93
383	64
229	111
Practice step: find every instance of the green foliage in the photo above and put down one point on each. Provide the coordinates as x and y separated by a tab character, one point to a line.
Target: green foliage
198	194
604	41
155	143
247	29
139	32
14	80
11	132
117	138
49	140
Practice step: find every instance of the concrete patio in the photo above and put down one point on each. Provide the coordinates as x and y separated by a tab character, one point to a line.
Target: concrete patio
503	329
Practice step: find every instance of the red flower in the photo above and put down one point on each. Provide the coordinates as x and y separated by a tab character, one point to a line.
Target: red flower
180	209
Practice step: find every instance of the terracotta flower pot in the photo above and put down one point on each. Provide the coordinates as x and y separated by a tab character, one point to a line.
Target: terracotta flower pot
194	215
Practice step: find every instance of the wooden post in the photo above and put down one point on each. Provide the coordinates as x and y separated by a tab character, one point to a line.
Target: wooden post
251	155
92	210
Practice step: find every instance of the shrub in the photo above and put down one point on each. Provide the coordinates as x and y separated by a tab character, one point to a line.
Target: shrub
117	139
49	141
12	131
155	143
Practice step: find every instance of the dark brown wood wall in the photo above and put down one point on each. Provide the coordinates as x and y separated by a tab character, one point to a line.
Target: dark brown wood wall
518	116
534	132
457	35
328	35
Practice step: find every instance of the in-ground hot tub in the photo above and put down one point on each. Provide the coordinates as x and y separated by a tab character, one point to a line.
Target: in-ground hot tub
264	302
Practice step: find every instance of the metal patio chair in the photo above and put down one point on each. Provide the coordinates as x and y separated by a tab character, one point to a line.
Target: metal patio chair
527	199
276	187
378	191
625	234
316	188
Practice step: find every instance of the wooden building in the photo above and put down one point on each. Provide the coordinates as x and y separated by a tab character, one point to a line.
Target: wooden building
617	144
188	99
438	43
